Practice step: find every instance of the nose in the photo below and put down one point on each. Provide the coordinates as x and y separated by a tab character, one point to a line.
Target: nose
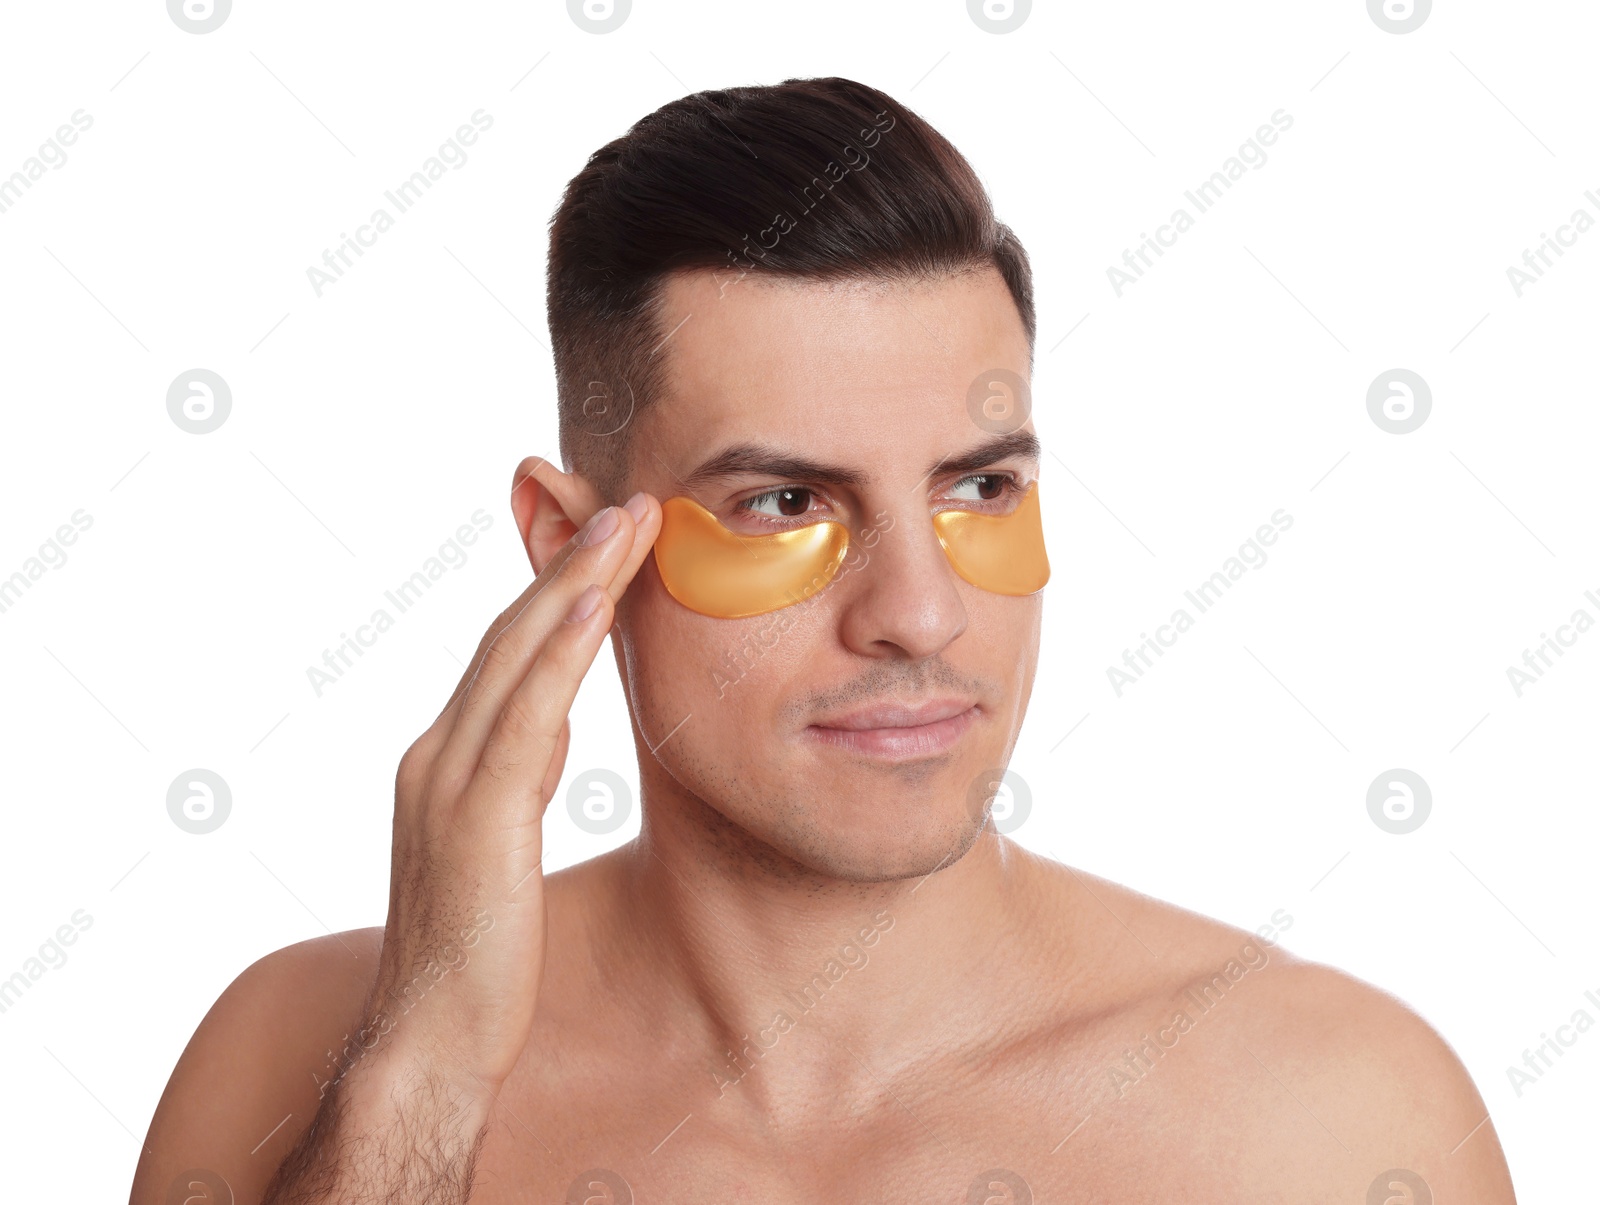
901	597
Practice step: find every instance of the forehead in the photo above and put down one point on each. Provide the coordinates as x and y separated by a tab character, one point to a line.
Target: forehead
868	372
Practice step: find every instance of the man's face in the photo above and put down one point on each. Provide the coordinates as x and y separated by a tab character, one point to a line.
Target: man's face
870	380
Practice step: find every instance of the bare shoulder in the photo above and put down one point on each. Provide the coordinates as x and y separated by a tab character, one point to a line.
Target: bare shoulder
1308	1076
247	1084
1373	1076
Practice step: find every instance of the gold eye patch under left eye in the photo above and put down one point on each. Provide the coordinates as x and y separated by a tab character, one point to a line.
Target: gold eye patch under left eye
1001	553
720	573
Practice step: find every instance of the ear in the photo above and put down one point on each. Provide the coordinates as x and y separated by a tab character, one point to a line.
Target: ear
549	506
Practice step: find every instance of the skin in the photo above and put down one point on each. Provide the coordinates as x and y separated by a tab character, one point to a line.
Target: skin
977	1002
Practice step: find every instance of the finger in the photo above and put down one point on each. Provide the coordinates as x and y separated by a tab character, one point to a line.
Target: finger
645	532
505	661
503	658
558	762
507	788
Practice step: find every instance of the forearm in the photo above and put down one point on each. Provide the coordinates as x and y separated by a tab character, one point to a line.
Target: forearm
392	1133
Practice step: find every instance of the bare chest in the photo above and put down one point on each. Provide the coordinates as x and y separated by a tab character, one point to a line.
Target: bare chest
1011	1133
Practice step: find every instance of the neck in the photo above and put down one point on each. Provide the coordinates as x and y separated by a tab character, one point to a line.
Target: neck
789	978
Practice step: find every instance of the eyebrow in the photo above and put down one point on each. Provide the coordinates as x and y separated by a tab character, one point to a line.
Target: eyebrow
767	460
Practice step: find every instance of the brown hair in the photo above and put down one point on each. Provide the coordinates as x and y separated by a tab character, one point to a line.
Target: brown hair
848	182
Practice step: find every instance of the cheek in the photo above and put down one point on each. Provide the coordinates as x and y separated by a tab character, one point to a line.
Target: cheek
675	659
1001	642
1026	633
734	673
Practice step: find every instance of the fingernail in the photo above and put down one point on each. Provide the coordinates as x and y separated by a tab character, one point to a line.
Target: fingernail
584	605
599	527
637	507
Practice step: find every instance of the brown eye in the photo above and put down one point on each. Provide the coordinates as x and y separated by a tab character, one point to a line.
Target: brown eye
990	487
791	502
800	500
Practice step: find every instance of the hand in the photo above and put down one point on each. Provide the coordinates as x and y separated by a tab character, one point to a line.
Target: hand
464	944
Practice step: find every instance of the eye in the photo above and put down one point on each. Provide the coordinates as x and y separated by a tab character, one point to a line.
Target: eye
789	502
989	487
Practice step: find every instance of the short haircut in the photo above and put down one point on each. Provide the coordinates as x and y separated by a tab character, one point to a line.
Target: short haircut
849	184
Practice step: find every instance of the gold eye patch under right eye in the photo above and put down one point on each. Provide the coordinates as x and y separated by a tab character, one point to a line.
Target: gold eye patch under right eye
717	572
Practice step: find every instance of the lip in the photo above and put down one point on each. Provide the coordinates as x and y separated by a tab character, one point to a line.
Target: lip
898	731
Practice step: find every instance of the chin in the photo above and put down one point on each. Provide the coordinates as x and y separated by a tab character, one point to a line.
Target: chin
902	862
885	848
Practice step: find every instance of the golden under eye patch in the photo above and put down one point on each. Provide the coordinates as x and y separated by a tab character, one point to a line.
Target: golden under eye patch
717	572
1000	553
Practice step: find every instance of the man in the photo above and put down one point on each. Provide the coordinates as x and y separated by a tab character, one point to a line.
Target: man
819	973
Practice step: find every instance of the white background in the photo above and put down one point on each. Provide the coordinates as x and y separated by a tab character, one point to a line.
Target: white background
369	423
